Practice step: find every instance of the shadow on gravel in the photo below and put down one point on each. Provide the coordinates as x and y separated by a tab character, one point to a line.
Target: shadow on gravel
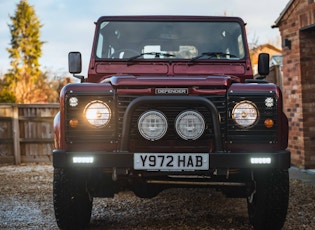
171	209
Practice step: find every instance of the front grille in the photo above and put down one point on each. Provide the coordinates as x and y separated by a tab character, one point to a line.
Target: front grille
171	141
84	131
258	133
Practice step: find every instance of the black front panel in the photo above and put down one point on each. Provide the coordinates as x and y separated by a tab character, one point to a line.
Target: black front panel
258	133
85	132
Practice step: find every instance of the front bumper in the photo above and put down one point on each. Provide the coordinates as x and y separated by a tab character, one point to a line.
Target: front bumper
218	160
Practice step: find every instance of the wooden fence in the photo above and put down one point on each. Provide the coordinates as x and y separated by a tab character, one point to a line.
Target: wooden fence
275	75
26	132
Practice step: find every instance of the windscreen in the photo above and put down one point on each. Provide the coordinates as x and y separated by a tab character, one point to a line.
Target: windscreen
170	40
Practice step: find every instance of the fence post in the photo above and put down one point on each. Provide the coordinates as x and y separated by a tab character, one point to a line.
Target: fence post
16	135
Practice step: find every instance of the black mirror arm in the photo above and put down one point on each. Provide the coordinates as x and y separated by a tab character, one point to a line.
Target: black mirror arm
81	77
261	77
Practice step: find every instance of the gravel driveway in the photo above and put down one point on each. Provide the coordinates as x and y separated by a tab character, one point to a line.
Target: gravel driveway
26	203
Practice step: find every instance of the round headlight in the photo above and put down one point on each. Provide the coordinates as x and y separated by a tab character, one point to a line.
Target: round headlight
190	125
97	113
152	125
245	114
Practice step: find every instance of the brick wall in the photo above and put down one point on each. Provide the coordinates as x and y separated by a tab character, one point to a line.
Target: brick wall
307	49
299	80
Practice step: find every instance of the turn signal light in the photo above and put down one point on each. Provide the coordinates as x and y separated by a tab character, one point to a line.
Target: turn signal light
269	123
73	123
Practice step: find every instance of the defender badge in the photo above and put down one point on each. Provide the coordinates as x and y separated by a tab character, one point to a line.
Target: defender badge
171	91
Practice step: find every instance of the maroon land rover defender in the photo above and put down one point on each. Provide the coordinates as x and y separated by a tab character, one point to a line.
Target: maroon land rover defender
170	101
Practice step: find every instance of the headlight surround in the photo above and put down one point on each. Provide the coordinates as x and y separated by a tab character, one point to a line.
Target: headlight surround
245	114
190	125
97	113
152	125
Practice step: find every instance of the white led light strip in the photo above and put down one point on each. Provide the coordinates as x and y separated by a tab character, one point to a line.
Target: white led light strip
260	160
83	160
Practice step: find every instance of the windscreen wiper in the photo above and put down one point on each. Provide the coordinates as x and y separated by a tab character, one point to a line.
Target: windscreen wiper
156	55
212	55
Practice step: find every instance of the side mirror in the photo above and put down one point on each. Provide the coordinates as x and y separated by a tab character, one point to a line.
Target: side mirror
263	65
75	64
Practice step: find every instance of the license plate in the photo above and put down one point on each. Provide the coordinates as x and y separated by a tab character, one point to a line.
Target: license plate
171	161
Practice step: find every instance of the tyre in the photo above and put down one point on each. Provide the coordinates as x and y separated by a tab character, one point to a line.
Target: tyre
72	202
144	190
268	204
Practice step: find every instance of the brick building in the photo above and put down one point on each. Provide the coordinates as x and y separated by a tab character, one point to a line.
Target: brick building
296	24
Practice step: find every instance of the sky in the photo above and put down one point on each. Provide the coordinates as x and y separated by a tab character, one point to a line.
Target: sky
68	25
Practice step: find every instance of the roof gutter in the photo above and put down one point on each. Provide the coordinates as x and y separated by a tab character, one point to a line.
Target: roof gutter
277	22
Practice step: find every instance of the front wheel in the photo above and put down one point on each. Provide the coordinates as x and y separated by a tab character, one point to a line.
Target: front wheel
268	203
72	202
